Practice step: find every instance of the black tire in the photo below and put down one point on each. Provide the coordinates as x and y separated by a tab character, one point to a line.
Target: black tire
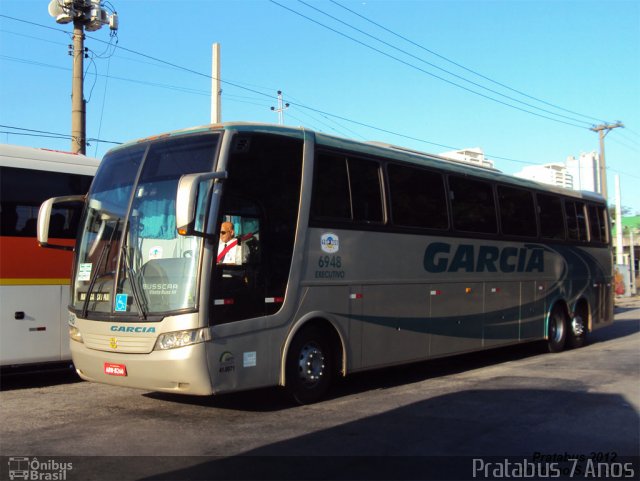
557	330
577	333
310	365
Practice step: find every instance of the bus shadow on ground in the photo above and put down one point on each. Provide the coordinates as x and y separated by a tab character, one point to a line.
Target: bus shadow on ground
276	399
440	437
37	376
623	309
617	330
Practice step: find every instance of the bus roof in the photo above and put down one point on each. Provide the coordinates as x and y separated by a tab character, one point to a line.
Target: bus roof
380	149
45	159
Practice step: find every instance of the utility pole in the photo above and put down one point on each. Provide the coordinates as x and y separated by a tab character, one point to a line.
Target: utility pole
619	246
78	104
89	15
216	91
632	262
281	108
603	130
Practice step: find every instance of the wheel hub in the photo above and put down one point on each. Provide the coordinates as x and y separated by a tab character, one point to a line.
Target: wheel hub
311	364
577	326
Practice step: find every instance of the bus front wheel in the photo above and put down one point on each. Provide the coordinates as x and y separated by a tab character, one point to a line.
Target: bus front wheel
557	331
310	365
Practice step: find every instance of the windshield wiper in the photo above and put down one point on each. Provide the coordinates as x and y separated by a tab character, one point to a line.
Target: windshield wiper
140	302
94	276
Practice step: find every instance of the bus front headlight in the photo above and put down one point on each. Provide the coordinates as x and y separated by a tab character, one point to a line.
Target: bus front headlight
74	334
173	340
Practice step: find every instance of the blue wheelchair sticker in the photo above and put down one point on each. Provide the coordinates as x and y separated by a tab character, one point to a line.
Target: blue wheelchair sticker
121	302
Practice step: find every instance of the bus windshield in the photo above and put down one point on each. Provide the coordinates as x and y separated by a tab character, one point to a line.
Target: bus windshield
131	260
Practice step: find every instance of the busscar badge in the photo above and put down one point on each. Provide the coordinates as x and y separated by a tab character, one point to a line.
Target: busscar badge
329	243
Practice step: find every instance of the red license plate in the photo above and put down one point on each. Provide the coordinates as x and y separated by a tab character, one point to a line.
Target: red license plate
115	369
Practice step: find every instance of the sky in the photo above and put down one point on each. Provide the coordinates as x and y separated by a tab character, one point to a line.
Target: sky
523	80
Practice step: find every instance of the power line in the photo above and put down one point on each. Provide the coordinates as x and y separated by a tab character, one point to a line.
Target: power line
179	88
157	60
625	145
296	104
440	68
234	84
31	37
46	133
269	96
462	66
423	70
195	72
629	138
124	79
36	24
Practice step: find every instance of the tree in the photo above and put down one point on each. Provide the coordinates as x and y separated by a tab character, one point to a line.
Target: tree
624	211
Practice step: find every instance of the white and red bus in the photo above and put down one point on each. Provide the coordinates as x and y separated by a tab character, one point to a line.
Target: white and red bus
34	282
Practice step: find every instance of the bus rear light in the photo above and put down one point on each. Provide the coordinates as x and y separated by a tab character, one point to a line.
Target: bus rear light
173	340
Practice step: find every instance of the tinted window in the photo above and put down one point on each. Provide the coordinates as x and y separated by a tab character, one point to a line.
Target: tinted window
576	220
22	191
417	197
517	212
347	188
472	205
366	194
261	199
331	197
551	216
598	224
269	172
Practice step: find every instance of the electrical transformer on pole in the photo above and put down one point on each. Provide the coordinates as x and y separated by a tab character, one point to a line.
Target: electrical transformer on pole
85	15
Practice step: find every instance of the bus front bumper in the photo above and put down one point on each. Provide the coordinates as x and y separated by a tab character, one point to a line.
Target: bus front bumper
182	370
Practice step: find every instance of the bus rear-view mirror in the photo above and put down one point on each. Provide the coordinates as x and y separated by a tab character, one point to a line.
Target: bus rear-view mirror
58	218
186	198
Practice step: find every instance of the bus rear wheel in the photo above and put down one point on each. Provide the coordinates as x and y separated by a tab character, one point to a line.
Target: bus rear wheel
557	331
310	365
577	335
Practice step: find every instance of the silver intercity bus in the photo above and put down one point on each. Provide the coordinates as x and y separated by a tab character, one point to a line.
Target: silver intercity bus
348	256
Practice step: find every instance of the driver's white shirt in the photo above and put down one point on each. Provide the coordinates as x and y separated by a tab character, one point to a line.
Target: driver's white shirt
233	254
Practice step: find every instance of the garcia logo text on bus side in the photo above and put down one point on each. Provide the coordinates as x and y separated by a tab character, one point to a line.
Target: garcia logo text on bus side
438	257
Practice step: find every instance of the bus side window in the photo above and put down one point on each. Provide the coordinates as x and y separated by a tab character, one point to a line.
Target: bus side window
576	221
19	212
472	205
366	192
347	189
598	224
517	214
551	217
261	197
418	197
330	198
